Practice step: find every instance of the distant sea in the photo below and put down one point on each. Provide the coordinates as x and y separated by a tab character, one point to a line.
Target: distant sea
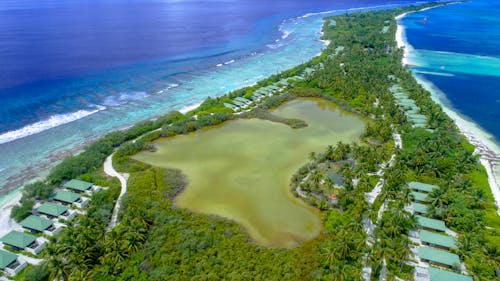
73	70
456	49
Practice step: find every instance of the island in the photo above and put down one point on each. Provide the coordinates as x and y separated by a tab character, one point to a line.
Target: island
342	168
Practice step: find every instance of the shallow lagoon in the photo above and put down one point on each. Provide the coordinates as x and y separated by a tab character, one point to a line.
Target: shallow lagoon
241	170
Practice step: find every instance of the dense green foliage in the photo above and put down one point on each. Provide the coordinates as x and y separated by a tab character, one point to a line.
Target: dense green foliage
157	241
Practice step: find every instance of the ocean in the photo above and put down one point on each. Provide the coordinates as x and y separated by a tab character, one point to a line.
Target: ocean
73	70
454	52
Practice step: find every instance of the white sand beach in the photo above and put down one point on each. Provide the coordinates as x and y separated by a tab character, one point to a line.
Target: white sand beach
484	142
6	223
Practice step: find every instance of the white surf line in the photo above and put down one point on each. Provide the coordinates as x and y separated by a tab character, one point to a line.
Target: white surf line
110	171
483	147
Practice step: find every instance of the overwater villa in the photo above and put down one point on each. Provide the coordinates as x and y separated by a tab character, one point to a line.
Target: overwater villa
53	210
37	224
22	241
10	263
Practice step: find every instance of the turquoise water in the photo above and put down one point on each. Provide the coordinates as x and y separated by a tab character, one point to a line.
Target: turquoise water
456	53
119	96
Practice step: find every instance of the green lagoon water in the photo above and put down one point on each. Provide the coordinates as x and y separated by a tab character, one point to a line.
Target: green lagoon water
241	170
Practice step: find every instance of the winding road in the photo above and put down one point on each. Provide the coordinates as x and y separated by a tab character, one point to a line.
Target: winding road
110	171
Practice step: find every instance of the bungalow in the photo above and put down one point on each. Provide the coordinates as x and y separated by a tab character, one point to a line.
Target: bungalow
436	274
80	186
422	187
68	198
20	240
231	106
238	103
430	224
419	209
53	210
38	224
436	240
10	263
438	257
244	100
419	197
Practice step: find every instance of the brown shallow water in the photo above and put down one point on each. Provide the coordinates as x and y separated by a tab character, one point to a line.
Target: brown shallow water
241	170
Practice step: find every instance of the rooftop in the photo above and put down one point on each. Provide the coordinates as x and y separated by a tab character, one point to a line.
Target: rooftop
231	106
78	185
52	209
431	223
438	239
420	208
419	186
6	259
436	274
419	196
36	223
67	196
18	239
438	256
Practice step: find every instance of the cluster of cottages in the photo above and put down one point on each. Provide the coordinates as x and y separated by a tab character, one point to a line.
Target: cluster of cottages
46	220
240	103
436	242
410	108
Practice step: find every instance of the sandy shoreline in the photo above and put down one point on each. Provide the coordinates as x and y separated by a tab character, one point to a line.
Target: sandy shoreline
485	146
6	223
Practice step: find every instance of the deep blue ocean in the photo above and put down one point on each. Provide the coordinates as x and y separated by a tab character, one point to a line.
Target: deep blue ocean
456	48
73	70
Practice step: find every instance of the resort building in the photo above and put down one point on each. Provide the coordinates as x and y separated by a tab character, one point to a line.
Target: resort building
419	197
68	198
80	186
430	224
243	100
422	187
10	263
419	209
231	106
54	210
23	241
438	257
38	224
437	240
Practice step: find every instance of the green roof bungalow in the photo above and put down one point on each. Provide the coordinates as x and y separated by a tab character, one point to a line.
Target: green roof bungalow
274	88
332	23
53	210
239	103
68	198
78	186
422	187
431	224
10	263
419	209
436	240
22	241
436	274
244	100
385	29
231	106
419	197
438	257
38	224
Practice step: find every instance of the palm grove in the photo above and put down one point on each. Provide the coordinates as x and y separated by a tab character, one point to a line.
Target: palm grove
157	241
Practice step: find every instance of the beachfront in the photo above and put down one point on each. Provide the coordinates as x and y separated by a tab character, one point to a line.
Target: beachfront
488	150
